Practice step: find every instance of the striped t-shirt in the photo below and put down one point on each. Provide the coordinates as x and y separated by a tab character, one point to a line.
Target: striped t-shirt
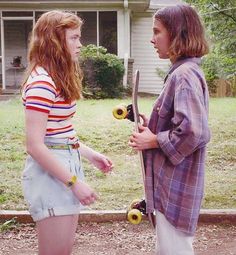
40	94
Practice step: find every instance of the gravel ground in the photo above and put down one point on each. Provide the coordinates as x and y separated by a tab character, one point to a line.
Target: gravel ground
120	238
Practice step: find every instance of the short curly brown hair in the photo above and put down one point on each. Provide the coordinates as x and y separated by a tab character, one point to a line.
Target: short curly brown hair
187	35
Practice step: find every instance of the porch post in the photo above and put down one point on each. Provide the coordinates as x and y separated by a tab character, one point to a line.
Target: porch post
3	55
126	54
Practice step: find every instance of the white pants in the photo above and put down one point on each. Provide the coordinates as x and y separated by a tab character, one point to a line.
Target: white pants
171	241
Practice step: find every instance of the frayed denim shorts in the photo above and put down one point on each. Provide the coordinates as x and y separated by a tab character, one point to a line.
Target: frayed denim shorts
45	195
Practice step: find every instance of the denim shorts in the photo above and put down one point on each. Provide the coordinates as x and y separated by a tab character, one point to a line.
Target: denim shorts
45	195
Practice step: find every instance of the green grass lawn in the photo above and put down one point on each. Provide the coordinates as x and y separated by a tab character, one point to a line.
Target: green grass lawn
97	128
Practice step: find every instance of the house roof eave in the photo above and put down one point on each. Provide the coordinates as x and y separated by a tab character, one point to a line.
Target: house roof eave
30	4
141	5
160	4
138	5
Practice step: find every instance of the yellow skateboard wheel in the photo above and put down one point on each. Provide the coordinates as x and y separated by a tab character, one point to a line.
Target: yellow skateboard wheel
134	216
120	112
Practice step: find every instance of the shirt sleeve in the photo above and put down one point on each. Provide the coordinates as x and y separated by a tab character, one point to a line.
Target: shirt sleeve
190	126
39	96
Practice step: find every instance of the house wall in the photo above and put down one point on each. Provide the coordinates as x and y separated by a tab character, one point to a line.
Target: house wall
15	37
134	33
144	55
123	29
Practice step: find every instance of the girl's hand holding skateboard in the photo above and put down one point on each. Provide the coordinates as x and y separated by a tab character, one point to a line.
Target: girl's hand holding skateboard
143	140
145	119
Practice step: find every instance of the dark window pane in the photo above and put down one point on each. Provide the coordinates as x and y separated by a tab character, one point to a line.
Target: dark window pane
0	59
38	14
17	14
89	28
16	34
0	42
108	31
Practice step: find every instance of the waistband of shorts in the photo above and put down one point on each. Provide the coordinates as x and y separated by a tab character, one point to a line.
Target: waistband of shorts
61	143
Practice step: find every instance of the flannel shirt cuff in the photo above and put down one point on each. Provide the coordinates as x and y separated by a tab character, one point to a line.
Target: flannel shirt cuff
167	147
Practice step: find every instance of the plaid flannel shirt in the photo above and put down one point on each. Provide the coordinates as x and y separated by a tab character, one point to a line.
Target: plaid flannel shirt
175	171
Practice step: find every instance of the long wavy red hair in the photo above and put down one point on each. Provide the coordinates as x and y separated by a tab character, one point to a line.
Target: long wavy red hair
47	48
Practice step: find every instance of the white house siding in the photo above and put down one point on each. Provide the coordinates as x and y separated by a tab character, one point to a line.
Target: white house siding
143	53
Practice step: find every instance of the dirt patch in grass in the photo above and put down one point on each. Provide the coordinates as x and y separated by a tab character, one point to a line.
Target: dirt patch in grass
120	238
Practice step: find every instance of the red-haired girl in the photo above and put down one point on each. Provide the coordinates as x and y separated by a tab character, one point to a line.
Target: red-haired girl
53	180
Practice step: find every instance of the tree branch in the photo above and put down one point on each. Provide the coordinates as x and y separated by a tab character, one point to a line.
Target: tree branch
223	12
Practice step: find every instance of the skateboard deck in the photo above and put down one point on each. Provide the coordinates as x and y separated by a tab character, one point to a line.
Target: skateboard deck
131	112
151	217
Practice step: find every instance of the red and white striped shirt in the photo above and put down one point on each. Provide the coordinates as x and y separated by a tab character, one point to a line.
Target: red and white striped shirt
40	94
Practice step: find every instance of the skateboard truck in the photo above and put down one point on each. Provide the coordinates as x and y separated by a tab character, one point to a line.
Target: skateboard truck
123	111
141	206
135	211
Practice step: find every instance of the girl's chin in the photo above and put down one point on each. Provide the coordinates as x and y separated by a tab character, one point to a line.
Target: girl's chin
75	59
159	55
162	56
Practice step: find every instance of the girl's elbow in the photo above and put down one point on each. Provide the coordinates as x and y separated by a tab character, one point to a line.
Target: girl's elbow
206	135
199	137
32	147
29	149
204	138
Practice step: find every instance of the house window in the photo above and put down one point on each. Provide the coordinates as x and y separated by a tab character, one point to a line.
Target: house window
100	28
15	48
89	28
17	14
108	31
38	15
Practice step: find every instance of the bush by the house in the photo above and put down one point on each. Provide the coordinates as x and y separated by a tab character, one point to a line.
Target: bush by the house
103	73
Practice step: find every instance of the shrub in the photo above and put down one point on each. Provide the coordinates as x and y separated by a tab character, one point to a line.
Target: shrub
103	73
210	68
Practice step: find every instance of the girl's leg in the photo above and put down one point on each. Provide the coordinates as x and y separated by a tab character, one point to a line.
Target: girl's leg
171	241
56	234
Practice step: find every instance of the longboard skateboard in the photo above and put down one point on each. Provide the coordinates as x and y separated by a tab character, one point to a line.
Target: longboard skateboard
131	112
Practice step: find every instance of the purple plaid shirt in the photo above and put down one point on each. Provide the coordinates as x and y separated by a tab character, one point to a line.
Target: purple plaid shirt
175	171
